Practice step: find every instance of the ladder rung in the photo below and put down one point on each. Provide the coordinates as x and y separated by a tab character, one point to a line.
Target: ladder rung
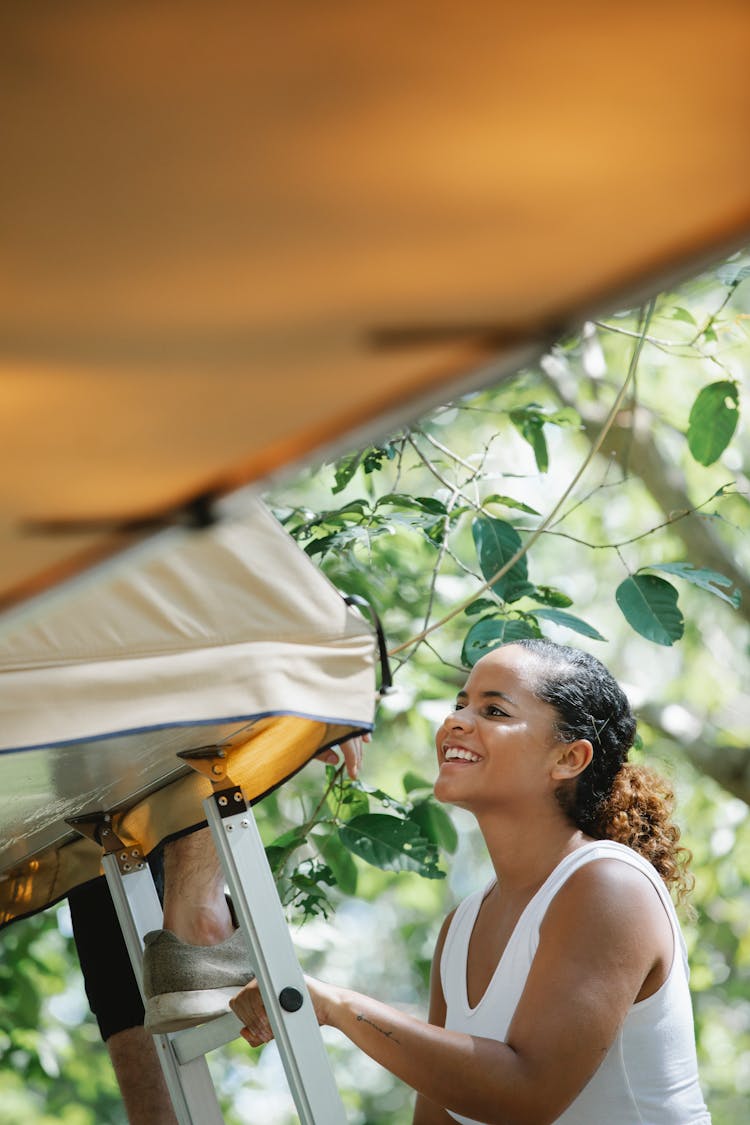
193	1042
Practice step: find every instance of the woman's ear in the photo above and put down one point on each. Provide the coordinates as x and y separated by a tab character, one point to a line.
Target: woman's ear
572	759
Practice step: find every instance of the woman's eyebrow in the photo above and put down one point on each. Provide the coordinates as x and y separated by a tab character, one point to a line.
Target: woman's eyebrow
489	695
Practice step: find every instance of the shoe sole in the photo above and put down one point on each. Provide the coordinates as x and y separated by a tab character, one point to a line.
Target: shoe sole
173	1011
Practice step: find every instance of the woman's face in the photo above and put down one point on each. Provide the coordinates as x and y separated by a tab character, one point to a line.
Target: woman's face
499	745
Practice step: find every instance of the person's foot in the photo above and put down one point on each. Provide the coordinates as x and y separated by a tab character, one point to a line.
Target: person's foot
190	984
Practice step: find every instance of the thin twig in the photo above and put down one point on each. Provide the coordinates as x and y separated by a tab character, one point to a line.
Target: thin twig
439	476
641	535
657	343
715	315
450	453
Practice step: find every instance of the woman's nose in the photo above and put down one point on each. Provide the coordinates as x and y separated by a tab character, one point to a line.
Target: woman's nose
459	720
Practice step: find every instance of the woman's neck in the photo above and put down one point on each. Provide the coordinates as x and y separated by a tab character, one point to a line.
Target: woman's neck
524	855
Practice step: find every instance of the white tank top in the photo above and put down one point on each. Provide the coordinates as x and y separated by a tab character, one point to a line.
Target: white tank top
650	1073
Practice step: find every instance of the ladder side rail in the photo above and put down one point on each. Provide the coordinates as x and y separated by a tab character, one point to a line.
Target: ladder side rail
138	910
260	914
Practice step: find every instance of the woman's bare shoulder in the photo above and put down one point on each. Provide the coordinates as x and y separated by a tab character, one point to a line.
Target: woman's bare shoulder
607	893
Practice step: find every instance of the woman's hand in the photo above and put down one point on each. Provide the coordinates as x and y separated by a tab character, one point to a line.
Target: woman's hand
248	1006
352	750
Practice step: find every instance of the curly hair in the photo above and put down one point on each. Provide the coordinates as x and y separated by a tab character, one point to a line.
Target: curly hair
612	799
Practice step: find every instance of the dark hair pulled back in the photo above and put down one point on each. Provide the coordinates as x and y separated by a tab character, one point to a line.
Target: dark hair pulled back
612	799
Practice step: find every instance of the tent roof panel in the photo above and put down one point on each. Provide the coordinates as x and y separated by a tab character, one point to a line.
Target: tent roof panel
207	219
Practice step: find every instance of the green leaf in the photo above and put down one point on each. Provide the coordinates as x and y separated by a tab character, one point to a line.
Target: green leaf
570	621
434	823
529	421
347	800
306	889
373	458
709	580
650	607
386	800
509	502
415	503
490	632
339	859
392	844
497	542
519	590
345	470
683	314
280	849
548	595
479	606
293	838
713	420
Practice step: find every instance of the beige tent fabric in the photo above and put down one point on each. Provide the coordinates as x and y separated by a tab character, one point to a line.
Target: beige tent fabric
225	636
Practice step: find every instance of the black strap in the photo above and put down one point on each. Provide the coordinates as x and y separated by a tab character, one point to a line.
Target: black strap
386	679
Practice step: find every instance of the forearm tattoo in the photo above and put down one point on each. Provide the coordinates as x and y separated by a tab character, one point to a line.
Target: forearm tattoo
388	1034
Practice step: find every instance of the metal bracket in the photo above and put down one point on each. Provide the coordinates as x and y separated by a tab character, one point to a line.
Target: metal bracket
98	827
209	761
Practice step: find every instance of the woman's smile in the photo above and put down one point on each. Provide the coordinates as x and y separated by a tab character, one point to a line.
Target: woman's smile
458	755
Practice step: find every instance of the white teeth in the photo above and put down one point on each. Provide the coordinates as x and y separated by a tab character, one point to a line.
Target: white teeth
464	755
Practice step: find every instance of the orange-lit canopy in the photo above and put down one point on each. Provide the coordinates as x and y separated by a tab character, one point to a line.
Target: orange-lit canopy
217	217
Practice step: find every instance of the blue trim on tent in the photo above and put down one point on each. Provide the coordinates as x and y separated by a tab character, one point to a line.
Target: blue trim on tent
221	721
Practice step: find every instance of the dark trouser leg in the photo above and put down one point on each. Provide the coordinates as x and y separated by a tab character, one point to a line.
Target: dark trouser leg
115	1000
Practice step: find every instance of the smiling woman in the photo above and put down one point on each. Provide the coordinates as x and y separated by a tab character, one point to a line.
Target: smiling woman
560	991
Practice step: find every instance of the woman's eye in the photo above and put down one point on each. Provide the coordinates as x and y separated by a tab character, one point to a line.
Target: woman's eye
494	711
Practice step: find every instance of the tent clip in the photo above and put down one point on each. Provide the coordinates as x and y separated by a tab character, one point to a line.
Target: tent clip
98	827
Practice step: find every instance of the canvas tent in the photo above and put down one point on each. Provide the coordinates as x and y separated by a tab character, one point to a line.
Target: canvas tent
227	637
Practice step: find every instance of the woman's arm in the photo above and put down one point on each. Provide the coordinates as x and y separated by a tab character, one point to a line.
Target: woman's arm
425	1111
598	946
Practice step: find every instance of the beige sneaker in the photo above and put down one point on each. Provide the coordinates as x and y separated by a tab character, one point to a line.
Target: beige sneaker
190	984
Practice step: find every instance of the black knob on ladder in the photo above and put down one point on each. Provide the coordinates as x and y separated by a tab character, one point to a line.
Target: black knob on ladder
290	999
